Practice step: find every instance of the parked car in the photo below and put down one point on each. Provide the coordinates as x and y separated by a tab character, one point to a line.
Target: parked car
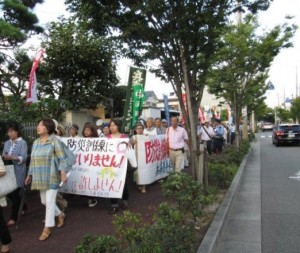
267	126
286	133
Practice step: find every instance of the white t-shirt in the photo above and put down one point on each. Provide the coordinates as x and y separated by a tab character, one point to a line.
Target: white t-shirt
151	131
204	136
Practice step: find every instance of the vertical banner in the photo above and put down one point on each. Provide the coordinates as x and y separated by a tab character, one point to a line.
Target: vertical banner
185	106
134	98
201	115
166	104
31	92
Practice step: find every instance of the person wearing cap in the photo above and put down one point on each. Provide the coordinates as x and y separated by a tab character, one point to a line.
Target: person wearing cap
164	123
160	130
206	134
218	140
73	131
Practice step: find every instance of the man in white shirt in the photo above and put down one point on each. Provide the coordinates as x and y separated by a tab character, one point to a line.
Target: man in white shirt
206	133
150	129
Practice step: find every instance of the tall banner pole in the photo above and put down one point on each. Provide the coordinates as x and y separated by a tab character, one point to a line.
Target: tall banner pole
167	112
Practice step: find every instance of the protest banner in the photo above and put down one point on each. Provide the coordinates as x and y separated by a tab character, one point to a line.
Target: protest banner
153	160
134	98
100	167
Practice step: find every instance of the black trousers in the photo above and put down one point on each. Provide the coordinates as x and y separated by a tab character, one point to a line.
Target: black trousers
16	202
209	146
4	232
125	195
218	145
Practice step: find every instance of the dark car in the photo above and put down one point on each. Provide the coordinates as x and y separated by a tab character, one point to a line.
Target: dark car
286	133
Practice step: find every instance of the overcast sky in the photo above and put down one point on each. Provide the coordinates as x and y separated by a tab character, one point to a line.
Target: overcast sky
282	72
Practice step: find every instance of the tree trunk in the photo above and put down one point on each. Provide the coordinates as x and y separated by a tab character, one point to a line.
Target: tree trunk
195	152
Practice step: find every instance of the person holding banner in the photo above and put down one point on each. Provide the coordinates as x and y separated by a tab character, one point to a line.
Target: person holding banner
115	127
45	176
15	153
139	131
150	129
176	137
73	131
90	131
160	130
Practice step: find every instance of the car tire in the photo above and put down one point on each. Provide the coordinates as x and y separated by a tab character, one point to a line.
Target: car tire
277	144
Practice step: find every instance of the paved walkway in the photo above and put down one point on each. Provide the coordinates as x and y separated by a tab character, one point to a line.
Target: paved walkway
242	230
236	227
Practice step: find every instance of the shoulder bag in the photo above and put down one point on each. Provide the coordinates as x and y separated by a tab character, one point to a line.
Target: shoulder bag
8	182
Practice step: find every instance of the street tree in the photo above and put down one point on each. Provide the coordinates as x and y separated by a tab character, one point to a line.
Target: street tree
17	24
79	67
241	68
182	35
284	115
295	109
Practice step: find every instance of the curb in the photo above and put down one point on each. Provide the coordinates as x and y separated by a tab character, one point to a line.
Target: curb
213	235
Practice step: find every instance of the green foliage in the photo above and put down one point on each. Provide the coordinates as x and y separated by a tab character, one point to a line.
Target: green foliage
295	109
223	167
284	115
15	109
101	244
242	63
17	22
81	65
187	193
221	175
129	227
182	35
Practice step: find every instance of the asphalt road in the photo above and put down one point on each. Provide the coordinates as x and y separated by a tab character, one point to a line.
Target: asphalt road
280	197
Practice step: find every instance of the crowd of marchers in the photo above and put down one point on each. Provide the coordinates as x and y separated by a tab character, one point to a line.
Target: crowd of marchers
47	166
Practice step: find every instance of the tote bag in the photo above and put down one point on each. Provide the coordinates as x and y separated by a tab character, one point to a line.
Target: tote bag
8	182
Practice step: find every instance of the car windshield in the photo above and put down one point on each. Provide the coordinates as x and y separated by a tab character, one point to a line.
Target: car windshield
293	128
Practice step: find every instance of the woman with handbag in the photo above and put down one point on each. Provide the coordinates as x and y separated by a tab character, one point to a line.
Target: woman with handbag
45	176
5	237
15	153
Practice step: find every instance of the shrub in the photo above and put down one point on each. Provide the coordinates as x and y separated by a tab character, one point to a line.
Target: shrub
187	193
101	244
221	175
129	228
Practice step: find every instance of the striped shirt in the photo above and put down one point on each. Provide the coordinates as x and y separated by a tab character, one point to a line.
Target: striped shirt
43	168
19	149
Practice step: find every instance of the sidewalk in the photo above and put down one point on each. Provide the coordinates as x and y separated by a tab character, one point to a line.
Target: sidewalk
237	225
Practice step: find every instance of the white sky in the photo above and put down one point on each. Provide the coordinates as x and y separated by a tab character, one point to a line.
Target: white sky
283	69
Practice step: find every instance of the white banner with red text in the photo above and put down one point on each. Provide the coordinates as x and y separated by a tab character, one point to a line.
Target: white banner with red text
100	168
152	158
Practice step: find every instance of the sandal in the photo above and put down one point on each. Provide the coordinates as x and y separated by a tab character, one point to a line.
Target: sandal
45	234
61	220
11	223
